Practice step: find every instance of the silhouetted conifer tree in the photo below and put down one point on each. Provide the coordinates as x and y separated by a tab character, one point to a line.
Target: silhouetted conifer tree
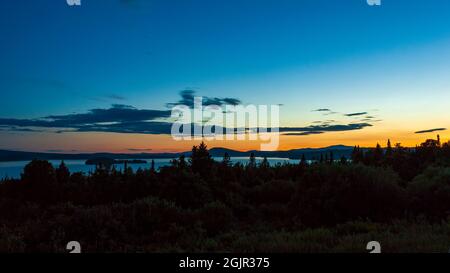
303	162
357	155
226	160
62	173
182	162
265	163
389	148
377	155
252	163
201	161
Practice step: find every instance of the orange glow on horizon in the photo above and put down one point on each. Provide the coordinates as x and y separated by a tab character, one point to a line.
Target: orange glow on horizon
137	143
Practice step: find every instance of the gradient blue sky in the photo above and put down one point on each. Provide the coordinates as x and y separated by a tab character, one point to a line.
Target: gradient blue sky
392	61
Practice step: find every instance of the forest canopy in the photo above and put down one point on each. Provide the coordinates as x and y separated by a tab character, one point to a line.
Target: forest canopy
397	194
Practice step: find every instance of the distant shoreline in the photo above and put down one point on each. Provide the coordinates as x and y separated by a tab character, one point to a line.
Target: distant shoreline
112	161
309	153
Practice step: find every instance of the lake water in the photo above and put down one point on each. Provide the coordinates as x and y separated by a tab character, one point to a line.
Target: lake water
13	169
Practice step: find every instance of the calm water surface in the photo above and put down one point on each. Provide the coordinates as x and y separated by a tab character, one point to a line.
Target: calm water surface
13	169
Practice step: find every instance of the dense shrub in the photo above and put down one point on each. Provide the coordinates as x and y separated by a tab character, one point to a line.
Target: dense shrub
215	217
430	193
329	194
200	205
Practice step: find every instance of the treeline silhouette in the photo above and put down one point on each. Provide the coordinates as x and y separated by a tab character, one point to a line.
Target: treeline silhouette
397	195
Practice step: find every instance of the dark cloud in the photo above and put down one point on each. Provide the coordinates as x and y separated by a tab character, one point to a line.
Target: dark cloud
325	122
163	127
303	134
139	150
325	111
12	123
370	119
121	118
117	113
187	98
327	128
321	129
17	129
154	128
139	127
356	114
430	130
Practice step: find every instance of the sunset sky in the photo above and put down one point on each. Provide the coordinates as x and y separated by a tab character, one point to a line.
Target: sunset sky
100	76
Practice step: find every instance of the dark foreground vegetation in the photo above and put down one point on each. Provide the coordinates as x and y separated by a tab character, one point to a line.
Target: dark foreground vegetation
397	196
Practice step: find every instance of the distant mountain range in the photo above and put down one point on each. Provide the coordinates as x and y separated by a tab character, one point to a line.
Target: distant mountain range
310	154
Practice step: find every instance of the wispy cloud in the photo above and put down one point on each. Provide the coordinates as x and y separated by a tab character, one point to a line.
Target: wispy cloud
115	97
356	114
117	113
325	128
303	133
121	118
118	118
325	111
430	130
139	150
18	129
187	98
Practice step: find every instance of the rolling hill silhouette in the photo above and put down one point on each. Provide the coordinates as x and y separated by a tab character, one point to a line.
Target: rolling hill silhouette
309	153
